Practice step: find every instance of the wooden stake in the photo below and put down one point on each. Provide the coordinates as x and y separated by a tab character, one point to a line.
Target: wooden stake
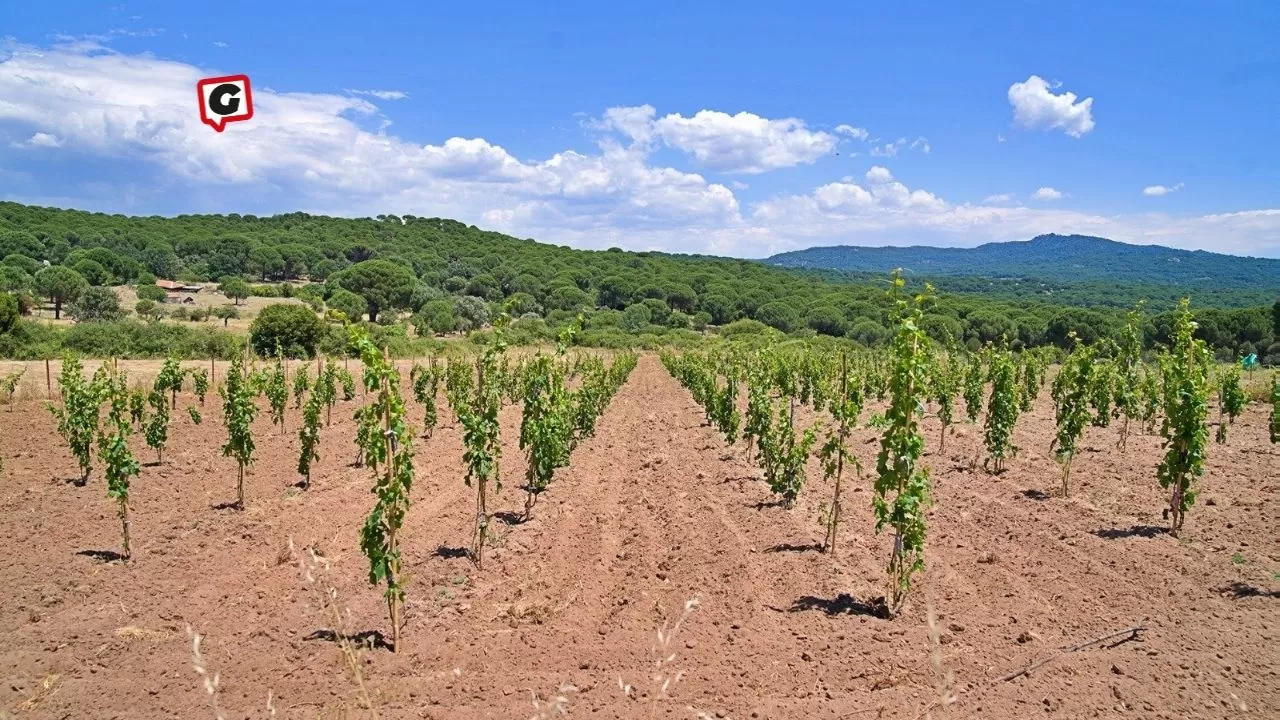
48	380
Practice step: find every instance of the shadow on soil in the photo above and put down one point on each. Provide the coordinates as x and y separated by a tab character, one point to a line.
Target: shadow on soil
842	604
370	639
452	553
1239	590
228	505
791	547
106	556
762	504
1033	494
507	517
1146	531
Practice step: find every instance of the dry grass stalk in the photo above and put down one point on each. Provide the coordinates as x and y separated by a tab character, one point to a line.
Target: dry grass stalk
555	706
664	658
315	571
944	679
211	681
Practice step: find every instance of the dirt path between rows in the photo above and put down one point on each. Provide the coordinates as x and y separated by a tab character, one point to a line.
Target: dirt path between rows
653	511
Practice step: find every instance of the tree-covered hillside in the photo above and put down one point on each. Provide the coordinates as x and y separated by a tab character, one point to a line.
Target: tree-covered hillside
1060	263
441	275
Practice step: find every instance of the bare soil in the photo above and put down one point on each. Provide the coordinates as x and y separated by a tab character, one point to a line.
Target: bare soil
653	511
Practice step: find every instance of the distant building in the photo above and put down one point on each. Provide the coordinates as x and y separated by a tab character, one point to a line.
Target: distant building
174	298
174	286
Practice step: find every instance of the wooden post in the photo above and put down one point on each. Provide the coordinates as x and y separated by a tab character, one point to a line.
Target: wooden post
48	380
213	372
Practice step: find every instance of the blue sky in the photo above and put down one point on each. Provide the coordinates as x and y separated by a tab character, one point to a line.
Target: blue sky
739	129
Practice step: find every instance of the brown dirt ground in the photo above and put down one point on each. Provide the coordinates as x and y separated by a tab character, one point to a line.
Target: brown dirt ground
653	511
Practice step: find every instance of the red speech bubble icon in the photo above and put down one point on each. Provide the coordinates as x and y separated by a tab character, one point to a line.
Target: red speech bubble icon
224	100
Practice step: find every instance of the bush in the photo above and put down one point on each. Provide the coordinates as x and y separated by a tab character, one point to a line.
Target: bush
744	327
266	291
96	305
473	312
8	312
294	328
436	316
151	292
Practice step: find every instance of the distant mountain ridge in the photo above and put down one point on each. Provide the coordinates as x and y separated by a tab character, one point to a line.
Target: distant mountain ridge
1053	258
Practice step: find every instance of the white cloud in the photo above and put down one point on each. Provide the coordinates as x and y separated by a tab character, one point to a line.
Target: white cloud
998	199
1035	106
1000	137
892	149
856	133
1160	190
1047	193
219	44
322	153
741	143
380	94
40	139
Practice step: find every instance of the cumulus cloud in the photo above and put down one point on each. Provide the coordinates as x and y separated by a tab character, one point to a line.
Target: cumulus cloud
380	94
1160	190
1036	106
1047	193
134	116
44	140
742	143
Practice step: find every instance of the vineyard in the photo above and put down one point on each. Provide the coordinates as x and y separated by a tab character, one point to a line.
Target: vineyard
764	529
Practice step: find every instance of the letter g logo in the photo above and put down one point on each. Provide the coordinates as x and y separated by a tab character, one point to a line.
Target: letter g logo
224	100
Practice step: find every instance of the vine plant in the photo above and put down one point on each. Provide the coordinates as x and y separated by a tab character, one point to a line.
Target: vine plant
481	437
1231	401
1002	411
78	417
113	448
238	411
902	491
1071	410
845	408
393	450
1185	373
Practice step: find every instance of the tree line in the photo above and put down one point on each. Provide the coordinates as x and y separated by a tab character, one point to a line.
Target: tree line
441	276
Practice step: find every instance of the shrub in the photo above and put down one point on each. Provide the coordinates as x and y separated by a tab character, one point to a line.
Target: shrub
293	328
96	304
8	312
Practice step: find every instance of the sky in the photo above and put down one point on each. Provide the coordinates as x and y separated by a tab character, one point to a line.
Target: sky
740	129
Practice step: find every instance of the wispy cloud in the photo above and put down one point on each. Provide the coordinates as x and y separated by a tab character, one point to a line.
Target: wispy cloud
1047	193
380	94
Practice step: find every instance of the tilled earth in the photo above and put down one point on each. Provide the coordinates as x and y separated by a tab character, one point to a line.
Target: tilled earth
654	511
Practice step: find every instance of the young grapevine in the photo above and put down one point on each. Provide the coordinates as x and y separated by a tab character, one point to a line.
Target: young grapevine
380	535
1070	402
1002	411
238	412
1231	401
113	448
1185	372
902	491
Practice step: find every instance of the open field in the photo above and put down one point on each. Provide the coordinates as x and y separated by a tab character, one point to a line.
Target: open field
654	510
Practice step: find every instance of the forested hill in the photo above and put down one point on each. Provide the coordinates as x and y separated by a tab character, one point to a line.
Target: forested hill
442	275
1053	259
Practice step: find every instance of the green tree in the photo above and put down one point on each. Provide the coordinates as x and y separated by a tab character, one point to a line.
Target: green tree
97	304
93	272
226	313
61	285
236	289
294	329
384	285
348	303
